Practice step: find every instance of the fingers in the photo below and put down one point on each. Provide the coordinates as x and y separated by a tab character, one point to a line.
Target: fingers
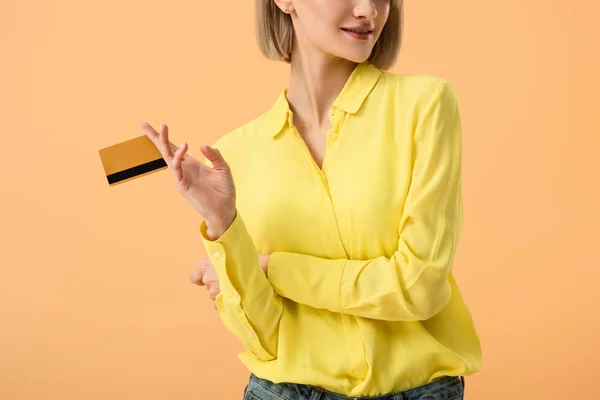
159	139
197	277
215	157
150	132
204	262
213	293
176	162
202	276
163	143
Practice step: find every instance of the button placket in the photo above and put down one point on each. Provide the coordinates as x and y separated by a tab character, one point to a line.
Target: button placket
333	119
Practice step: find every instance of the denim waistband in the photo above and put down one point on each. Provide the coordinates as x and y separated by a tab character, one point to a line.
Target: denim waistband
446	388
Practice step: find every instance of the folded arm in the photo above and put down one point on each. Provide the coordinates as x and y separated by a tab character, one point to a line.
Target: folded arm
413	284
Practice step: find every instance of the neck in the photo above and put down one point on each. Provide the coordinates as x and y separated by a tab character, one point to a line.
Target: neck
316	80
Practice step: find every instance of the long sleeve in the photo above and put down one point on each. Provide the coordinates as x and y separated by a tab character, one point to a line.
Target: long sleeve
413	284
247	304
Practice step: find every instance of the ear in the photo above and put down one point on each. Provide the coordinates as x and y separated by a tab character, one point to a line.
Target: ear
287	6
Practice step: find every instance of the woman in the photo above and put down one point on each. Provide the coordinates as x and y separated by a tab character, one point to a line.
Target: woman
330	258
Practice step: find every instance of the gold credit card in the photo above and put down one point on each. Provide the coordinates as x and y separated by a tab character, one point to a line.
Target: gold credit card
131	159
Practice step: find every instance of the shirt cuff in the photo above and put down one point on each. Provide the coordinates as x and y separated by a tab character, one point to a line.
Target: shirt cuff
236	262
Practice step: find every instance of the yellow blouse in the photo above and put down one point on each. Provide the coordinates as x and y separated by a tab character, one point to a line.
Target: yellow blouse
360	299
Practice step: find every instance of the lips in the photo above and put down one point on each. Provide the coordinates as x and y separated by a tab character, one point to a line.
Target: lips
359	30
359	33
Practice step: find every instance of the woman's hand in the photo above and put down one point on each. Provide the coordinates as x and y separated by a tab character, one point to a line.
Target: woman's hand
206	275
263	261
210	191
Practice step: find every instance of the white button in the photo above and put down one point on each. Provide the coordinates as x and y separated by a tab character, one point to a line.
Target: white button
217	254
236	296
334	135
251	334
331	111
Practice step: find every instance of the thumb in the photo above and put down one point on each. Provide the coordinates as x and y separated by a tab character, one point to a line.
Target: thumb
214	156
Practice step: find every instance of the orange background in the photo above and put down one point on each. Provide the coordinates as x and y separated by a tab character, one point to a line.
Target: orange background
95	301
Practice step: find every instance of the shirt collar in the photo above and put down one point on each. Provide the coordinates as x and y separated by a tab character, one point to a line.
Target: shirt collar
350	99
278	114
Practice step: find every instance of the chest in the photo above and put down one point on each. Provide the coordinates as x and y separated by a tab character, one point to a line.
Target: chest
336	192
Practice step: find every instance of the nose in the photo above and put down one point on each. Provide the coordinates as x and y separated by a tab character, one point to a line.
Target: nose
365	9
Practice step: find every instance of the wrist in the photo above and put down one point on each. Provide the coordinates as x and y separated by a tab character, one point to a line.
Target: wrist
216	227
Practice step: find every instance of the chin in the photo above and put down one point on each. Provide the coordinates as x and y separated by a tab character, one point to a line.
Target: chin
357	53
357	57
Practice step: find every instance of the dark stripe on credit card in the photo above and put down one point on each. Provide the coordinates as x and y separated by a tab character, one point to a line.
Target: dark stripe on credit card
135	171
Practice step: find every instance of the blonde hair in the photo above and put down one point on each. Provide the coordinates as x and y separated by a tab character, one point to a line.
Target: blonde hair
275	34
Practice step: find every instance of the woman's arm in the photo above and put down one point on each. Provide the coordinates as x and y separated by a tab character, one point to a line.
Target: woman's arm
247	304
414	283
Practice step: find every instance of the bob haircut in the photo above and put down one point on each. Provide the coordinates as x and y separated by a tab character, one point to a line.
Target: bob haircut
275	34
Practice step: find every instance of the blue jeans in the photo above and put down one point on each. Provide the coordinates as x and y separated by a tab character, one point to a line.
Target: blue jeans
447	388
